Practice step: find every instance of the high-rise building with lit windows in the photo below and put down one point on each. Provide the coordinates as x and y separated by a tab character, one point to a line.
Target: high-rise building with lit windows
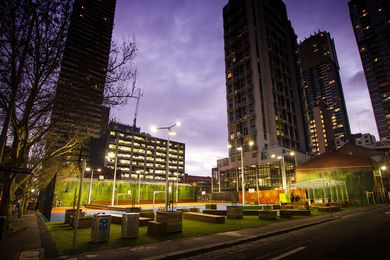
323	91
78	109
371	24
265	106
140	154
78	104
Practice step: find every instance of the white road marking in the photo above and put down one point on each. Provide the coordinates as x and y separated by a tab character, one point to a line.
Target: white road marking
291	252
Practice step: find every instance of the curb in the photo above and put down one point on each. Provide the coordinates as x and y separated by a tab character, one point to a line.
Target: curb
204	249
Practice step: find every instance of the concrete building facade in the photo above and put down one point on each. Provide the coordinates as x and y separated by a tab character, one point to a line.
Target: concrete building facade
323	91
371	24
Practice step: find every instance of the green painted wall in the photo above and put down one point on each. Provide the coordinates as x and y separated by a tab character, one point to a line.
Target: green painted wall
357	182
102	190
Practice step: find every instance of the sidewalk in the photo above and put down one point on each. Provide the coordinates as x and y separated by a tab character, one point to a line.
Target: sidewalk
195	245
30	240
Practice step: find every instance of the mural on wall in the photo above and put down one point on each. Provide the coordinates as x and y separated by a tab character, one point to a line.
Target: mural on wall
273	196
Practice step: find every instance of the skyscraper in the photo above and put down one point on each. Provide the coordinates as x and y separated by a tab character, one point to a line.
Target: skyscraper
323	91
263	83
371	24
78	103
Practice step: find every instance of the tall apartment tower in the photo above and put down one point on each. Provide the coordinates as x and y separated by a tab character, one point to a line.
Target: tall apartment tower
78	103
371	24
263	83
323	91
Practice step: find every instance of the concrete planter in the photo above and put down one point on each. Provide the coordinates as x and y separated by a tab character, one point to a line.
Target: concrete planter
234	212
173	220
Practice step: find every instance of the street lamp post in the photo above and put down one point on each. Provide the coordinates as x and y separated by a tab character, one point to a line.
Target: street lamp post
139	186
170	132
284	178
382	168
90	183
241	149
113	155
295	159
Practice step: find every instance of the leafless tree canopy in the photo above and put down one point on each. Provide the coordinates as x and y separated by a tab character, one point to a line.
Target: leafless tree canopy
121	75
32	41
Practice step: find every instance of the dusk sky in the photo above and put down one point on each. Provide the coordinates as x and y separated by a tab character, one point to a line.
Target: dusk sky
181	68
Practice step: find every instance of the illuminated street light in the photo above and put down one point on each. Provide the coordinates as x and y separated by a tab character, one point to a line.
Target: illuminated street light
284	178
90	182
382	168
251	143
170	133
110	156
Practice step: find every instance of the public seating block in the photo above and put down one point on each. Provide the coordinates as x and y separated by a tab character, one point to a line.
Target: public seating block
329	209
144	221
84	222
267	214
215	212
204	217
234	212
251	212
147	214
173	220
286	213
183	210
156	228
194	209
211	206
69	213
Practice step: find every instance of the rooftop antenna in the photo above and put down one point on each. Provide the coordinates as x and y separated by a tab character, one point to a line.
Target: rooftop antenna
139	95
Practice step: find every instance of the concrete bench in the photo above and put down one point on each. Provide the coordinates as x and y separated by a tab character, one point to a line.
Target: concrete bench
194	209
143	221
117	219
84	222
156	228
204	217
286	213
267	214
147	214
215	212
251	212
329	209
183	210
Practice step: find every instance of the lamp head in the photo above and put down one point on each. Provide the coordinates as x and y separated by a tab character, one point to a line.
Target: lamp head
229	146
171	133
153	128
99	170
279	157
292	153
87	169
273	156
251	143
239	148
383	167
178	123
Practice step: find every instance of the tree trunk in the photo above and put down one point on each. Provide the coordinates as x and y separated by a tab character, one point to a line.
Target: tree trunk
6	201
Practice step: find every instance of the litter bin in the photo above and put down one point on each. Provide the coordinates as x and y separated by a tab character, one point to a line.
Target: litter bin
100	228
130	223
3	227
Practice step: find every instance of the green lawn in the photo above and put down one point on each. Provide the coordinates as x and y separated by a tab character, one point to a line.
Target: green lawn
62	234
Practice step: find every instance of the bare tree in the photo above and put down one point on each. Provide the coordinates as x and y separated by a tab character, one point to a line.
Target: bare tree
32	41
121	77
33	36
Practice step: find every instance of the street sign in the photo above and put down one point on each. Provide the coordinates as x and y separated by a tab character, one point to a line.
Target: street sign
15	170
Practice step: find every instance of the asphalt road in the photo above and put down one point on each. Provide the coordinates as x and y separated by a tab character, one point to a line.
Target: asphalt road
364	235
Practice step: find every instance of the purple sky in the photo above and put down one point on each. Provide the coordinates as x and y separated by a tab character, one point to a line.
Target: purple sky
181	68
